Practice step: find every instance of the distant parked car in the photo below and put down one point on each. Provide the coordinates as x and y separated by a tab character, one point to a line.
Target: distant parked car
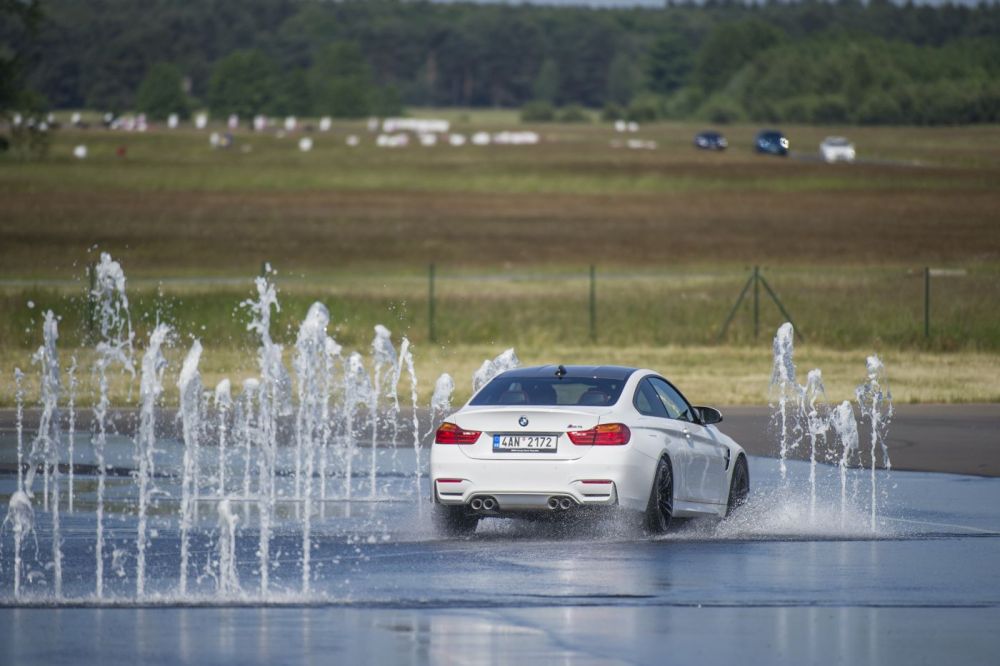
710	141
836	149
771	142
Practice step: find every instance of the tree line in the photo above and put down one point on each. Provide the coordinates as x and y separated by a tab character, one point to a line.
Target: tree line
820	61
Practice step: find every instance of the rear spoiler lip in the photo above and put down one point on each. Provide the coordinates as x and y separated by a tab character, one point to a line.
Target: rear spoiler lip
563	409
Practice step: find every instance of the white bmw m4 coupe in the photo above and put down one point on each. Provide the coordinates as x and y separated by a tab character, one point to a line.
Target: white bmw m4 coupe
560	439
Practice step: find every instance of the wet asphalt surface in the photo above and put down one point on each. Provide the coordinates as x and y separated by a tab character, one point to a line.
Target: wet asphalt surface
787	580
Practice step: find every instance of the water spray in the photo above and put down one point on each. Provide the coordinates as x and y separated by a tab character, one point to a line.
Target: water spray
150	390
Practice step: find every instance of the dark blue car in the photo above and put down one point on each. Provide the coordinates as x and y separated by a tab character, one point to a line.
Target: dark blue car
771	142
710	141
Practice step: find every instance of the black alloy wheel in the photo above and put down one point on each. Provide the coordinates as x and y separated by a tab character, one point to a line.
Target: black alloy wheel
660	509
739	487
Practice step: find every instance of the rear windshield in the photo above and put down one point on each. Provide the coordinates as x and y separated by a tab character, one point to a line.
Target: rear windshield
542	391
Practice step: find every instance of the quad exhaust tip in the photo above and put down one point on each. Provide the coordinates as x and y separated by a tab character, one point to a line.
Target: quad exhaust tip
560	503
490	503
483	504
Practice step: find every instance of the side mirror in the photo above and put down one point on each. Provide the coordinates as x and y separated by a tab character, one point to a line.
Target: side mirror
709	415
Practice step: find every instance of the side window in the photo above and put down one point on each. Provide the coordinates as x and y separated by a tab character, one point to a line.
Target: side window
677	407
647	402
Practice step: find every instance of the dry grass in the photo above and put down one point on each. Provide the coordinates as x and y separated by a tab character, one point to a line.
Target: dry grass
174	207
707	375
165	234
356	229
834	307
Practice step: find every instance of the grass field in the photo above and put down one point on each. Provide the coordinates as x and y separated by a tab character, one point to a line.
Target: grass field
513	230
173	206
839	308
708	375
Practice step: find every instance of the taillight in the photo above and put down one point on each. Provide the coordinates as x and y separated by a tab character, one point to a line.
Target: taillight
607	434
449	433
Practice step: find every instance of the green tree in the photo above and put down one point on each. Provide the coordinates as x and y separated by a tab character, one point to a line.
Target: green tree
341	82
878	109
860	77
242	83
759	55
668	64
830	110
387	101
162	93
574	113
645	108
20	21
537	112
546	85
111	81
623	79
612	112
292	95
729	47
721	110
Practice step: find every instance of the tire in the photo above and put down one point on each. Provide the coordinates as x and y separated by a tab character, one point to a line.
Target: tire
660	508
739	487
454	521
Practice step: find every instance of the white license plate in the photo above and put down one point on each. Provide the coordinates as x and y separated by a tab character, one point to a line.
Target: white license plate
525	443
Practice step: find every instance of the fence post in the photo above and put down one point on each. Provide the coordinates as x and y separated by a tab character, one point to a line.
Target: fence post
756	302
593	304
927	301
756	279
732	313
781	307
430	303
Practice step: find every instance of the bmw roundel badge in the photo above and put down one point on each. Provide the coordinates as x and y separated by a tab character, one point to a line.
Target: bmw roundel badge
523	421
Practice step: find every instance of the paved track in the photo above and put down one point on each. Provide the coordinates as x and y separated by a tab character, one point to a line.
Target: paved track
961	439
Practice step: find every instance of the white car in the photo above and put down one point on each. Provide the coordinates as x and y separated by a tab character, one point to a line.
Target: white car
554	439
836	149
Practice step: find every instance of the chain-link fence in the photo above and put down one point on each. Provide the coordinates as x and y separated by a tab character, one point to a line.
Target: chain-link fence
842	307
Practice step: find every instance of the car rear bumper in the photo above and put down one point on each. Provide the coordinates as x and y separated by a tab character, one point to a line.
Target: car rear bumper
601	478
548	500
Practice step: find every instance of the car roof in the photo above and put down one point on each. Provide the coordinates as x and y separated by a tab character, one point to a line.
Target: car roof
590	371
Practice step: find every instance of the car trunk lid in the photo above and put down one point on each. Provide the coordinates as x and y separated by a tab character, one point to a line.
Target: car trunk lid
523	422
